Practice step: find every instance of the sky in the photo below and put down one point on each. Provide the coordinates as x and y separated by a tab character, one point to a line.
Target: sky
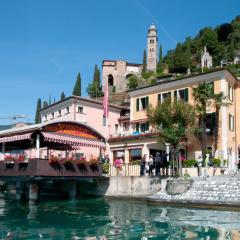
45	43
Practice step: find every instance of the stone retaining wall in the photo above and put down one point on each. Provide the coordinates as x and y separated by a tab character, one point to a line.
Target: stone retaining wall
218	190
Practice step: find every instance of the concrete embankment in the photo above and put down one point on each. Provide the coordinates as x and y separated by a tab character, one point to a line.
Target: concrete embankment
122	186
215	192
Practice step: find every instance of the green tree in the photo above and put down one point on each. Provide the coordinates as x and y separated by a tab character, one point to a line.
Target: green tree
144	61
94	89
38	108
231	53
132	82
173	120
63	96
45	104
203	95
160	61
77	86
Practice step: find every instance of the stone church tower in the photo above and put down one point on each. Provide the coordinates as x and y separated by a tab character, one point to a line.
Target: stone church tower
152	43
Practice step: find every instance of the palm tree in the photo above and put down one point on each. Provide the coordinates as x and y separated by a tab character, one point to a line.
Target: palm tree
203	95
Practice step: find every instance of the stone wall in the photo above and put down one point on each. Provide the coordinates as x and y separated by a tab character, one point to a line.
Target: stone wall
216	190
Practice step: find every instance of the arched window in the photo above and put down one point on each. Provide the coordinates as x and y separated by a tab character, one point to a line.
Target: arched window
110	80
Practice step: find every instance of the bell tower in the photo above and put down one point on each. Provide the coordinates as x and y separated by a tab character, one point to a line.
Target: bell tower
152	43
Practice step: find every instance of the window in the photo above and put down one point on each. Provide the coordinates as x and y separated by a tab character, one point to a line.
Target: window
135	154
181	94
142	127
230	92
210	123
126	126
80	109
59	113
45	118
231	122
52	115
163	96
142	103
116	128
67	110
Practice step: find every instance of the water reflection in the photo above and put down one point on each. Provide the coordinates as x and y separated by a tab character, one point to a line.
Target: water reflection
112	219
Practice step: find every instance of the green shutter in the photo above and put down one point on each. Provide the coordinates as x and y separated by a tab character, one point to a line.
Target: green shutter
137	127
186	94
147	126
175	95
137	104
147	101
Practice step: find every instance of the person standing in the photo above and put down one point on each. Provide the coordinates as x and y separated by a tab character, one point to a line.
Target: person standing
150	163
199	165
143	164
158	162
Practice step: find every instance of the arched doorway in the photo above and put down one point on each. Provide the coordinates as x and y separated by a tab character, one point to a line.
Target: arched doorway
110	80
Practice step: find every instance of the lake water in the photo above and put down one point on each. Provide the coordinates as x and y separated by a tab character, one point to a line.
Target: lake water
113	219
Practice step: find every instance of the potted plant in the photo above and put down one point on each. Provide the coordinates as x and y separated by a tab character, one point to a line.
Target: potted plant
81	164
54	162
9	161
22	161
68	164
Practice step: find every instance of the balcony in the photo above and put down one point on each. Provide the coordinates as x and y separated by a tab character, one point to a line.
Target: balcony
42	168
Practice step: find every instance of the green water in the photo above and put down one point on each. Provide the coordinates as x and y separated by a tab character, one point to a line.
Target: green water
112	219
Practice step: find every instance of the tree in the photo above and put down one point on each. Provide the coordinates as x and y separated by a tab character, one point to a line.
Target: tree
223	31
63	96
132	82
231	53
38	108
144	61
202	94
173	120
94	89
160	61
50	100
77	86
45	104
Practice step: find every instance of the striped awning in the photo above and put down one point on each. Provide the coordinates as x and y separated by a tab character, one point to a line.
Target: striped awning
15	138
75	142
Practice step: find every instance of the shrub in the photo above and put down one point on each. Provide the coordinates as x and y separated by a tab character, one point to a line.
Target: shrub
189	163
216	162
105	168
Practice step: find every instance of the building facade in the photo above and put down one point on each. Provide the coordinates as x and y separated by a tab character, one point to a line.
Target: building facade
152	48
115	73
142	139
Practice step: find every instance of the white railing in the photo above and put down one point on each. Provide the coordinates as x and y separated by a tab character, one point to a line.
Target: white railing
127	169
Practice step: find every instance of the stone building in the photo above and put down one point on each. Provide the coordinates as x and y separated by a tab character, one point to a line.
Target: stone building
152	43
116	72
206	59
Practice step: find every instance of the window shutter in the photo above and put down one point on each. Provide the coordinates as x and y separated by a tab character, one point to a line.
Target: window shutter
175	95
186	94
137	104
147	126
229	121
137	127
147	101
159	98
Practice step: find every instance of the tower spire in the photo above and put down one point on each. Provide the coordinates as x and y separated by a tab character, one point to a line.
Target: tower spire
152	43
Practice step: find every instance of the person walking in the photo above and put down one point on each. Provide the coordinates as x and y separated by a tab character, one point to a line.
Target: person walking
150	163
199	165
165	164
158	162
143	164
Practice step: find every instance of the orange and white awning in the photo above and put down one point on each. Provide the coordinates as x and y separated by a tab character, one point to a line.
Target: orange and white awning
15	138
75	142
